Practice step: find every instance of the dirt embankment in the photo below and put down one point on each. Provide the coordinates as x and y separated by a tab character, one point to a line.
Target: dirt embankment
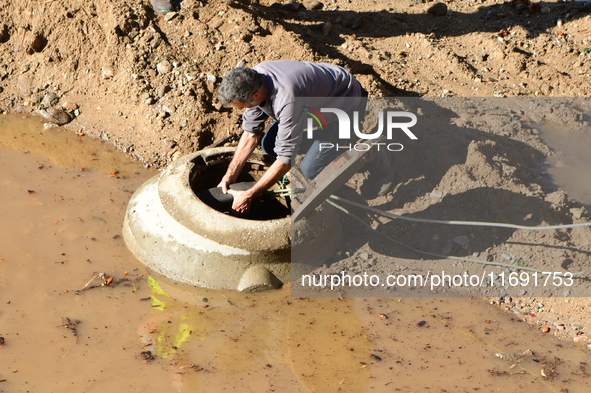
146	82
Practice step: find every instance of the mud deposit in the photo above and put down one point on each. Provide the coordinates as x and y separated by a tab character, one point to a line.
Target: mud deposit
65	328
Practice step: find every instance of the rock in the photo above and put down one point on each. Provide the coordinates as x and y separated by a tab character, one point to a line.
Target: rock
170	143
546	10
292	6
557	199
170	16
24	85
313	5
164	67
162	90
56	116
50	99
578	213
545	89
106	73
438	9
161	6
326	28
70	106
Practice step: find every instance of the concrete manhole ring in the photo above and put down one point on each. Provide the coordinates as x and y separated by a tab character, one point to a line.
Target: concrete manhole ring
170	230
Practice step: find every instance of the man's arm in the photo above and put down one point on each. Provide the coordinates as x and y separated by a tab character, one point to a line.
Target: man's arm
248	142
243	199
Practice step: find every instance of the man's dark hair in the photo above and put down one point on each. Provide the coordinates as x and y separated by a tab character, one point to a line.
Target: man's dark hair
239	84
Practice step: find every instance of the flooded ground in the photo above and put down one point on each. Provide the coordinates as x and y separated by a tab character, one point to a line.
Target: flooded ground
62	199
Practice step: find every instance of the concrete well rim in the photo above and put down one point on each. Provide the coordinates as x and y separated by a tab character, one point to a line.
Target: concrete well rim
180	201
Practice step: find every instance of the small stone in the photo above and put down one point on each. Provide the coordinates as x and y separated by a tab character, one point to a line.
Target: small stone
164	67
170	16
545	89
578	213
559	23
24	85
56	116
436	194
326	28
162	90
312	5
50	99
161	6
438	9
545	329
292	6
106	73
546	10
211	78
70	106
170	143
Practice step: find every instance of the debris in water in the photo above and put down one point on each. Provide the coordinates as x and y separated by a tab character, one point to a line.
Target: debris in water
68	324
147	356
375	357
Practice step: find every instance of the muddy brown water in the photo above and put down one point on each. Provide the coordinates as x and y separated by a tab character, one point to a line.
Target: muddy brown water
61	224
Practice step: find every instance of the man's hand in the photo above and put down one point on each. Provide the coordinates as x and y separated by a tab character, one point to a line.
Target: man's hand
248	142
242	201
225	184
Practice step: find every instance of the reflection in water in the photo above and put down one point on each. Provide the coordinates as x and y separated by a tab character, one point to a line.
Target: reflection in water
60	225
